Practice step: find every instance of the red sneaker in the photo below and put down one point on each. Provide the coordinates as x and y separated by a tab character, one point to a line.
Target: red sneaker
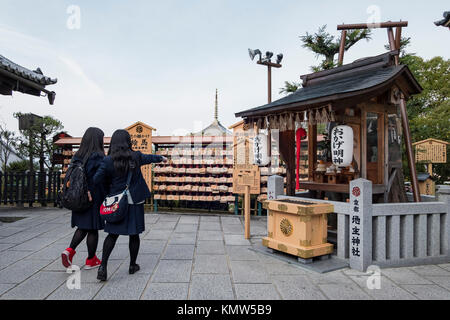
92	263
67	257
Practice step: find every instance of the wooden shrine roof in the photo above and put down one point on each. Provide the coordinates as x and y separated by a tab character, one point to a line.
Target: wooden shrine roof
14	77
357	80
36	76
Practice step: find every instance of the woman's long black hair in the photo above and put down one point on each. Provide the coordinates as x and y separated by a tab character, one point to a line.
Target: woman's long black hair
92	142
121	151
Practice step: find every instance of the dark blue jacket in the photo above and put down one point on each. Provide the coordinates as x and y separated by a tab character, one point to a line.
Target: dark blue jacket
90	219
138	187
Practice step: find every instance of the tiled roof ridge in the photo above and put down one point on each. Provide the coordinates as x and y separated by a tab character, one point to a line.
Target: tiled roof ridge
358	66
33	75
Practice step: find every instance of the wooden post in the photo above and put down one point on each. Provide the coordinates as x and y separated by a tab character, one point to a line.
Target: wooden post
236	204
269	75
430	169
312	150
342	47
5	188
406	129
398	37
392	43
269	81
247	212
1	188
409	149
11	185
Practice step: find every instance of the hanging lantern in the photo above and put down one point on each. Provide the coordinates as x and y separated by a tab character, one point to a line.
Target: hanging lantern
342	146
261	150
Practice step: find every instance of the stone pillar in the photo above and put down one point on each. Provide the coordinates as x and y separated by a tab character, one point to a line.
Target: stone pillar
443	195
275	187
360	235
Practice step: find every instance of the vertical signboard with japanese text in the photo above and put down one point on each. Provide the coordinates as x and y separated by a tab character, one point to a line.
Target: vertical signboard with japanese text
360	224
141	140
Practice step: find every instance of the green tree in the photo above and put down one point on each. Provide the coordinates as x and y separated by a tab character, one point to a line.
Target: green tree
429	112
19	166
37	141
325	45
8	143
290	87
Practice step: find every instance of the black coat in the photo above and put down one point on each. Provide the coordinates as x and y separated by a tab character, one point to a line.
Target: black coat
138	187
90	219
134	222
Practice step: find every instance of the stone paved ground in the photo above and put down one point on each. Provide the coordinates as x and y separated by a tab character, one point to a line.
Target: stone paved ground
186	257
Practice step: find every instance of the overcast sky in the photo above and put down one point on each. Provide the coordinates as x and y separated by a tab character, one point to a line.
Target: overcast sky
160	62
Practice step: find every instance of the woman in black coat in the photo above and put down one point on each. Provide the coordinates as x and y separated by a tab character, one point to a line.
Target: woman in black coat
89	221
115	167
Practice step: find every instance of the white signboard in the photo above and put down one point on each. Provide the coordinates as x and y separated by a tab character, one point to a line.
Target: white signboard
261	150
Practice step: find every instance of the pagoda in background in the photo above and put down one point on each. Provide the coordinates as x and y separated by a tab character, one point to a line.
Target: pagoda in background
215	128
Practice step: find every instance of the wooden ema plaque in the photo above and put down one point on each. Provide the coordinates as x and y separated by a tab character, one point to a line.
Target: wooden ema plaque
298	228
246	180
246	175
141	140
427	187
431	151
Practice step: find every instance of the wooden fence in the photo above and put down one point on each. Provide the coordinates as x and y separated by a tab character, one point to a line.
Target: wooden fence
29	188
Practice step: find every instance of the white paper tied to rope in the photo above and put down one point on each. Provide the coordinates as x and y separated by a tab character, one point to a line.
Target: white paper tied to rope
261	150
342	146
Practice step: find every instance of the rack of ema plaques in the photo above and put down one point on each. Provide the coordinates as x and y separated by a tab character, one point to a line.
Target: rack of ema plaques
298	228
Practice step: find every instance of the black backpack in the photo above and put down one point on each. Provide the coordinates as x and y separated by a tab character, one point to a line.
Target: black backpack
74	195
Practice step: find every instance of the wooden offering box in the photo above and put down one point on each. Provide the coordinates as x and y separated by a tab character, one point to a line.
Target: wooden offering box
298	228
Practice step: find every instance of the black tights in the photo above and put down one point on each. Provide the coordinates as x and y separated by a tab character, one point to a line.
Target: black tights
110	242
92	240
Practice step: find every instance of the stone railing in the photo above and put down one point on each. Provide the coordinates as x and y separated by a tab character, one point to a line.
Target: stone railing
391	235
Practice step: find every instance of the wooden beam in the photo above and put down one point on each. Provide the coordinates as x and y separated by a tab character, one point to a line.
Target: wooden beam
381	148
392	43
363	170
398	37
269	64
380	108
409	149
386	156
341	188
287	153
342	47
391	180
372	25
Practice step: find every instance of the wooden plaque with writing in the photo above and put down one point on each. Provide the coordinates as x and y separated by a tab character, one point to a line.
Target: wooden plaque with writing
431	151
141	140
246	175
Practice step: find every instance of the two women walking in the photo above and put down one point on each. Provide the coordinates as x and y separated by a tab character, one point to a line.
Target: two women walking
108	175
